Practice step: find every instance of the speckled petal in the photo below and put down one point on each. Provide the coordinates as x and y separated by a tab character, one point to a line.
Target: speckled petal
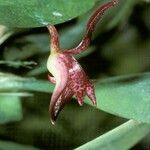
91	93
64	98
78	81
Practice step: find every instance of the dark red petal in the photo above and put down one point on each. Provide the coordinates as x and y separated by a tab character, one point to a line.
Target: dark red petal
96	16
91	93
80	97
64	98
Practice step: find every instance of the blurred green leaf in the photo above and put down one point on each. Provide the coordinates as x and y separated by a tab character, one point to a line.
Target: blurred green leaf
10	108
13	146
35	13
145	17
22	48
121	138
125	96
17	94
13	83
17	64
128	52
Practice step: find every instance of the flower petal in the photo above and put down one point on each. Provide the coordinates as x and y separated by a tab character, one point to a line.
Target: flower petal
64	98
91	93
79	82
80	97
58	68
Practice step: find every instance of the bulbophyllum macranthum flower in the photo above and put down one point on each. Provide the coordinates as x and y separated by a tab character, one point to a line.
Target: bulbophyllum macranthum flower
67	74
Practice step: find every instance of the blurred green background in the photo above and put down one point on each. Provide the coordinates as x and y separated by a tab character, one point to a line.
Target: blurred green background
120	46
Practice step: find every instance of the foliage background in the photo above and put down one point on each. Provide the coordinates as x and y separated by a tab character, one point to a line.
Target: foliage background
120	48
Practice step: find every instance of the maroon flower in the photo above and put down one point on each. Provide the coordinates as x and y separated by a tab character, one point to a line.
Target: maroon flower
69	76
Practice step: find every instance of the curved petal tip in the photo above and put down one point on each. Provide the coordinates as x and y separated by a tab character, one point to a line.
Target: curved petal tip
53	122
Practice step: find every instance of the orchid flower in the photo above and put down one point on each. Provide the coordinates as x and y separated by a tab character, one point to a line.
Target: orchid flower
68	75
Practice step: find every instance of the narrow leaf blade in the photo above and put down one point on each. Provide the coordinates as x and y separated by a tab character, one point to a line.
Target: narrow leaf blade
120	138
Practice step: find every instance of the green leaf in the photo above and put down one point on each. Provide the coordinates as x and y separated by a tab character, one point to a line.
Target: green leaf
125	49
35	13
120	138
13	146
13	83
10	109
125	96
17	64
